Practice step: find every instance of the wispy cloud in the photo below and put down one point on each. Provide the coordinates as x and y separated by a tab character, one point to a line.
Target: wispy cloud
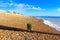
26	6
19	6
58	9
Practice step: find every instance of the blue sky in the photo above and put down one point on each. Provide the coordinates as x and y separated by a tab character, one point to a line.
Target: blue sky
32	7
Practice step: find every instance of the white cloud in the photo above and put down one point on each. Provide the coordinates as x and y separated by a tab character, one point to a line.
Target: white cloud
58	9
28	7
37	8
18	7
5	4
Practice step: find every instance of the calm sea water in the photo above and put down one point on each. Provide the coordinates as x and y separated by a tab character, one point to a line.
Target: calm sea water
55	20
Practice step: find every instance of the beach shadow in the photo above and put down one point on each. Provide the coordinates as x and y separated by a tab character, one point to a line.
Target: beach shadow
23	30
10	28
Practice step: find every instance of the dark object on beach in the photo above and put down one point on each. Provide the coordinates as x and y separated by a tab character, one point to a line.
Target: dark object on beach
14	12
29	26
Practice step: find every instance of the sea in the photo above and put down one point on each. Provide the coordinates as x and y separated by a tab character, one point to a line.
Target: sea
52	21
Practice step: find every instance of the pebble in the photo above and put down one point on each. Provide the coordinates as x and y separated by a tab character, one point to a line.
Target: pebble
17	34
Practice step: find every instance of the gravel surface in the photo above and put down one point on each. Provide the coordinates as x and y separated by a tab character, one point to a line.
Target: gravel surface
19	35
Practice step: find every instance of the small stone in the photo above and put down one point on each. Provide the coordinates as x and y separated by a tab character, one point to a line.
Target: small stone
1	36
17	34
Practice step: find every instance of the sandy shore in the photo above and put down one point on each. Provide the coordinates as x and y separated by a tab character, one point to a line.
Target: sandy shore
20	21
